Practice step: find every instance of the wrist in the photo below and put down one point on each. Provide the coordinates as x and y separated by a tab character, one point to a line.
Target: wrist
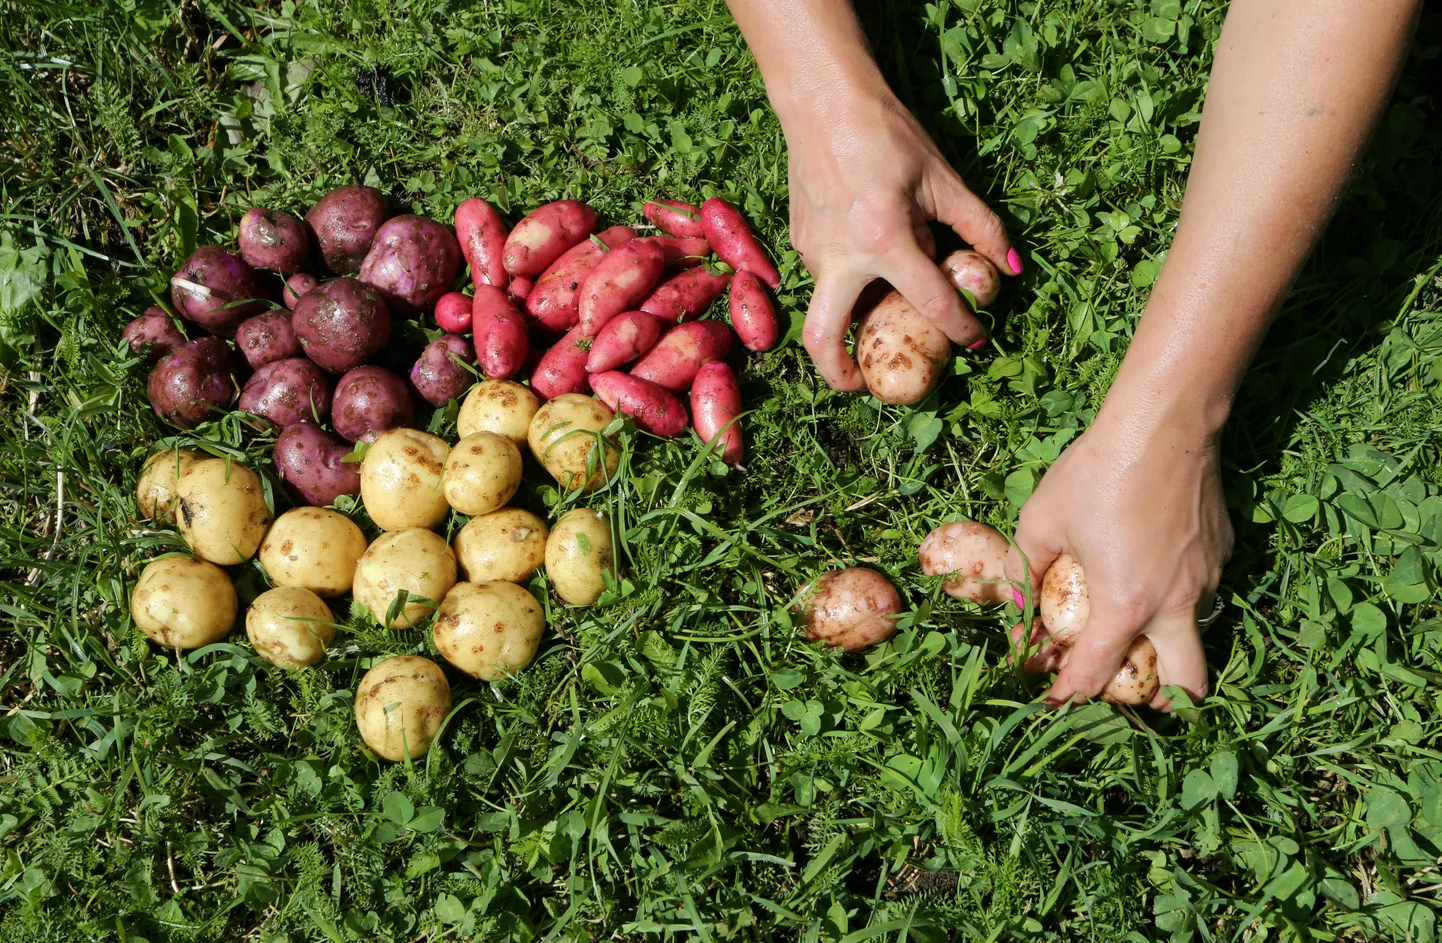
825	91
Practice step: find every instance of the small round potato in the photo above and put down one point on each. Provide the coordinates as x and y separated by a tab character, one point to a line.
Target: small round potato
183	602
482	473
578	554
1065	607
155	492
509	544
900	352
222	513
290	627
500	406
401	480
562	435
400	706
415	560
313	548
974	556
489	630
852	608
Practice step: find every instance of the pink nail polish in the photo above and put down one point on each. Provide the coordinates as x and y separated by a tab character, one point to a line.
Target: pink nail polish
1013	258
977	344
1020	599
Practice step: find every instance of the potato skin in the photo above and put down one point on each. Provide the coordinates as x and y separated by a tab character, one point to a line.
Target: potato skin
222	513
752	313
500	406
624	338
680	253
545	233
421	696
415	560
401	480
413	262
619	282
342	323
673	216
369	401
687	295
453	312
682	352
436	376
482	233
502	339
482	473
314	549
267	338
562	368
851	608
973	272
578	554
489	630
313	463
561	437
288	392
183	602
973	555
509	544
1065	606
726	229
272	240
554	300
290	627
655	408
715	402
296	288
344	224
900	352
153	334
207	286
195	383
155	491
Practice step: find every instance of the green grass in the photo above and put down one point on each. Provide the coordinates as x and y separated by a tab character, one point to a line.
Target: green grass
677	765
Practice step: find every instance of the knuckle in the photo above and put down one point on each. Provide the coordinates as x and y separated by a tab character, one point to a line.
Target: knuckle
991	227
938	307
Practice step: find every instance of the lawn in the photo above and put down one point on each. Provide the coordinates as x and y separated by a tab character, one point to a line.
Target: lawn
677	764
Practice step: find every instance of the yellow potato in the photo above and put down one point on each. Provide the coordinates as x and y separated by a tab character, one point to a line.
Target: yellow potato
315	549
482	473
851	608
509	544
401	480
900	352
415	560
400	705
290	627
578	552
182	602
974	556
489	630
563	435
222	511
500	406
155	492
1065	606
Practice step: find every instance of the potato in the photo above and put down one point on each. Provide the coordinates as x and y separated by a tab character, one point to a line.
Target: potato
554	300
155	492
503	340
194	384
481	473
565	436
400	705
578	554
153	334
851	608
314	549
902	355
973	273
500	406
287	392
415	560
725	228
673	216
401	480
439	374
562	368
681	252
267	338
313	463
482	233
752	314
222	515
412	262
344	224
216	290
624	338
973	555
296	288
545	233
715	404
369	401
619	282
509	544
686	295
182	602
270	239
681	352
453	312
290	627
489	630
1065	606
656	409
342	323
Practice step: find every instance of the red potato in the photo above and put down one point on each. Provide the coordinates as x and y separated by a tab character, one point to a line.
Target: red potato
313	463
342	324
540	238
343	225
499	330
562	369
453	312
622	278
369	401
438	374
715	404
153	334
655	408
267	338
680	253
973	273
725	228
194	383
296	288
286	392
673	216
686	295
554	301
681	353
973	557
624	338
520	290
216	289
482	234
752	313
270	239
412	263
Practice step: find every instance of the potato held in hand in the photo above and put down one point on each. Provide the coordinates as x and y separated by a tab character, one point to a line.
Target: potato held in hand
401	480
852	608
223	515
182	602
481	473
400	705
489	630
973	273
414	561
901	353
290	627
313	549
155	492
973	557
509	544
565	437
579	553
1065	607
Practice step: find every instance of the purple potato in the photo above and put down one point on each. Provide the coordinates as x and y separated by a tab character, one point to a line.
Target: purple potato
288	391
297	286
368	401
311	461
216	289
195	383
436	376
267	338
413	261
343	225
342	324
272	240
153	334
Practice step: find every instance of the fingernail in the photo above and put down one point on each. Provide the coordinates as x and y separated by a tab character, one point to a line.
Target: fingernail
1020	599
1013	258
977	344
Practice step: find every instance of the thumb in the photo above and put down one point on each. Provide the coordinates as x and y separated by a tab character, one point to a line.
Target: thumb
1032	552
975	222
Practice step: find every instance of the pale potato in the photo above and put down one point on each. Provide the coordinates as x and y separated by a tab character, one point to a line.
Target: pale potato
1136	681
851	608
578	554
290	627
315	549
222	511
490	629
400	705
155	492
183	602
482	473
902	355
509	544
401	480
415	560
565	433
974	556
500	406
1065	606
